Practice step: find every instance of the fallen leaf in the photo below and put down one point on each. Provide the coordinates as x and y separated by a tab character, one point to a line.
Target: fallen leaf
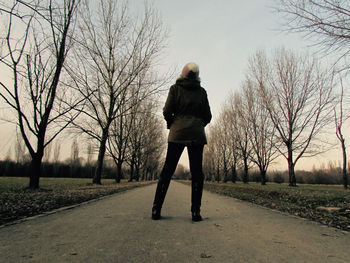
203	255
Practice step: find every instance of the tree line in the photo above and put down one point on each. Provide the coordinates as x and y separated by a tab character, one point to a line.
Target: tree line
280	110
287	100
86	67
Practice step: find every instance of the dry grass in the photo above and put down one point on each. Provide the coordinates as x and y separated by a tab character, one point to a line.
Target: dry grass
300	201
17	201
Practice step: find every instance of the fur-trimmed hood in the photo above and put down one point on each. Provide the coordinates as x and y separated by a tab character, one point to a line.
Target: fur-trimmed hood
190	71
188	83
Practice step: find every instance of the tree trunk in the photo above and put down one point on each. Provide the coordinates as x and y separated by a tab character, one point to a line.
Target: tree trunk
119	172
144	175
217	174
137	177
35	165
245	175
234	174
225	172
345	175
132	167
35	172
291	172
137	167
263	177
101	155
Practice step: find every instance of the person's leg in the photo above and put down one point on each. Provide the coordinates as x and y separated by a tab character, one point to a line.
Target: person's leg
195	155
172	158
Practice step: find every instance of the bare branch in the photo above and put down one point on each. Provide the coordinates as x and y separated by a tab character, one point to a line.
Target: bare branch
325	21
298	96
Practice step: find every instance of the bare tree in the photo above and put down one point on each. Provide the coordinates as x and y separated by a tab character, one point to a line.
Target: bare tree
121	130
209	158
241	128
221	155
154	142
118	141
214	152
181	172
338	128
260	129
146	140
114	50
74	153
89	153
8	155
56	152
222	148
20	149
228	142
47	153
34	49
120	135
327	21
297	93
229	119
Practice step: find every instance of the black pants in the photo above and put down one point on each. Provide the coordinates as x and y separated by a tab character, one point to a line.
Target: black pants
195	155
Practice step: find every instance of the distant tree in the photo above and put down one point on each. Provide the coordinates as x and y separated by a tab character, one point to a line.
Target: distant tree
222	147
20	149
146	139
153	144
338	119
115	49
298	96
181	172
47	153
241	128
56	152
119	136
221	155
35	45
89	153
261	130
74	153
8	155
214	152
118	140
229	119
327	23
209	160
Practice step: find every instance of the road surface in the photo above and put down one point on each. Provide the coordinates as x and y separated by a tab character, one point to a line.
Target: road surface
119	229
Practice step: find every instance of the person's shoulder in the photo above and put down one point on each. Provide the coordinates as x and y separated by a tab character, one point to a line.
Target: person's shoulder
178	83
174	87
203	90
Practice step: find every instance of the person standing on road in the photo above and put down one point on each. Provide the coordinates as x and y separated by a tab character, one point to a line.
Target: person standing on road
186	112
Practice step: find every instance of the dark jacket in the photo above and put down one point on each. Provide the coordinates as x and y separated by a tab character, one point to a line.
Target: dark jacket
187	112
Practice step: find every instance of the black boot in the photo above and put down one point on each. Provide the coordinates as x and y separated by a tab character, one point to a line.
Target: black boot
156	213
196	215
197	190
159	197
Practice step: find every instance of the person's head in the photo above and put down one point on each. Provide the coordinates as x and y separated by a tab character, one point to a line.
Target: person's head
190	71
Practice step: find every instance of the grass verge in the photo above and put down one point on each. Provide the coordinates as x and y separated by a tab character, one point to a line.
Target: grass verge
304	201
17	201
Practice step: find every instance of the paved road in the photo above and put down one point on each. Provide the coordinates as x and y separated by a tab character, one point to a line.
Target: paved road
119	229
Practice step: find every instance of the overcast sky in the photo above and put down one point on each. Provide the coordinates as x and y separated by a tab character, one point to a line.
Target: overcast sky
220	36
